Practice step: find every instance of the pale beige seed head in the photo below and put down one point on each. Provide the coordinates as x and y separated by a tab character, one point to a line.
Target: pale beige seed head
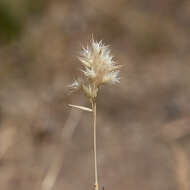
98	68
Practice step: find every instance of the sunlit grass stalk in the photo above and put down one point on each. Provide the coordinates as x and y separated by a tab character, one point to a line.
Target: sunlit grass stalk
99	69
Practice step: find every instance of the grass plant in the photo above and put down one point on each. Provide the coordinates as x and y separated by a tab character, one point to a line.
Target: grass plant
99	68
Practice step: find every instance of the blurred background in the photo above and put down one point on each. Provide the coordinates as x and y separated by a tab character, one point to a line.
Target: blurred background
143	122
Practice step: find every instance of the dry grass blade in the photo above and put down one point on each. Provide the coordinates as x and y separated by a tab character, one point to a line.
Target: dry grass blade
81	107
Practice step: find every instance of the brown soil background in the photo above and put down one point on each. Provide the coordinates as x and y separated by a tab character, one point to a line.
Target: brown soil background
143	123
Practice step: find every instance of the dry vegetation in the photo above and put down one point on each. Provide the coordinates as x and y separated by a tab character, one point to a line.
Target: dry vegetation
143	141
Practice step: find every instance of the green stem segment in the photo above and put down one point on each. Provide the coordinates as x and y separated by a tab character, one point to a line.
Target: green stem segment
95	158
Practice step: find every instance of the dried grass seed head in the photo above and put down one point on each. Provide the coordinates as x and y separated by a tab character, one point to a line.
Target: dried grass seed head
98	63
98	68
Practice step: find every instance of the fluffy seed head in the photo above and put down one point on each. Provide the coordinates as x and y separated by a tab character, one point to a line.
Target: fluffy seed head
98	68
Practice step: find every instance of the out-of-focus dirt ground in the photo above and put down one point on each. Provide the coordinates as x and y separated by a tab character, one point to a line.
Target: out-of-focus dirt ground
143	123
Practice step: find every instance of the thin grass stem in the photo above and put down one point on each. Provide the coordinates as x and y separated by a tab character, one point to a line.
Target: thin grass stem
95	152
